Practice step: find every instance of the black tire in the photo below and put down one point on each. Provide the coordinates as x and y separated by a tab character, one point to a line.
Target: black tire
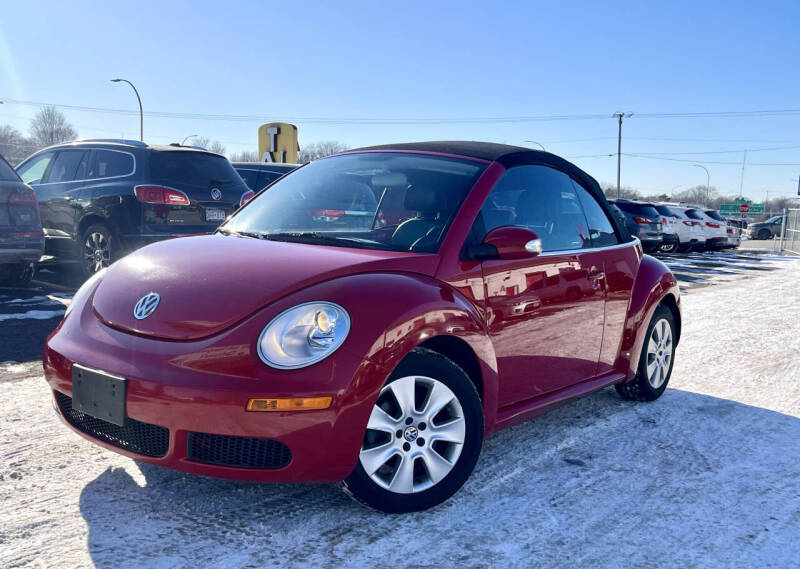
640	388
96	249
764	234
426	363
671	247
17	275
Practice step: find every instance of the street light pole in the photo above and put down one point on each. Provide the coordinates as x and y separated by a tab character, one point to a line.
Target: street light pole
620	116
537	143
187	138
138	98
708	182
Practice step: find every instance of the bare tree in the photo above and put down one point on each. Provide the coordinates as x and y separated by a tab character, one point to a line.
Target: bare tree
244	156
625	192
211	145
13	146
50	126
320	149
699	195
216	147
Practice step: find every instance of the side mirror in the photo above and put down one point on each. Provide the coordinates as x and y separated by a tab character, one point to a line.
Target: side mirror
508	243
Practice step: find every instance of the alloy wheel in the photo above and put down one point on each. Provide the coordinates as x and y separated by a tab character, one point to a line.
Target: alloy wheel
414	436
659	353
96	252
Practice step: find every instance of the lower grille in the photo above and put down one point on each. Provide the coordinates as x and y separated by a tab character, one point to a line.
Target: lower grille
240	452
141	438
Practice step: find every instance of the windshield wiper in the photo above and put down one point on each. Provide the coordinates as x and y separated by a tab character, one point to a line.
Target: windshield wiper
318	238
251	234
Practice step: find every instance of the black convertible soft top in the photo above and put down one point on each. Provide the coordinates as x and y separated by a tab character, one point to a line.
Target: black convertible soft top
510	156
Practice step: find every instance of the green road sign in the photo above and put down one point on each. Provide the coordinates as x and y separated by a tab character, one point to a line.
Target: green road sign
740	207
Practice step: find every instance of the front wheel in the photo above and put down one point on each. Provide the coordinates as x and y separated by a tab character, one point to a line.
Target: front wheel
655	360
764	234
423	437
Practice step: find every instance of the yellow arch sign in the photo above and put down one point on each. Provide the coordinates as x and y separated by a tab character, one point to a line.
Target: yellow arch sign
277	142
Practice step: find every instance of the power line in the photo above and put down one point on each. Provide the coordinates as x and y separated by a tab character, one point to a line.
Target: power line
713	161
413	120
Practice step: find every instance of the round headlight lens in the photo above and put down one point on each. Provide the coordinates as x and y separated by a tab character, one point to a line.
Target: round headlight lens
303	335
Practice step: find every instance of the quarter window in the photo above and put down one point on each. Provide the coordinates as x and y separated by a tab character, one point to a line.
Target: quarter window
541	199
108	164
601	231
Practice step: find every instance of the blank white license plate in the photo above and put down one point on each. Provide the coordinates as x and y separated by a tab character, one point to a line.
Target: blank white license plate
215	214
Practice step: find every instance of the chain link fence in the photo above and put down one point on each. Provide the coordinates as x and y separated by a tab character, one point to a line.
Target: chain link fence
790	239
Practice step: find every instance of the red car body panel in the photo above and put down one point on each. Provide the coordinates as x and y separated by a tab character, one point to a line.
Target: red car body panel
586	311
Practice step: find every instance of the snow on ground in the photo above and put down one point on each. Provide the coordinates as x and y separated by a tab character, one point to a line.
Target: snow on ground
707	476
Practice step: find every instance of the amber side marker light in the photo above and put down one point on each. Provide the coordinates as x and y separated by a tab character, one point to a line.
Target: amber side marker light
292	404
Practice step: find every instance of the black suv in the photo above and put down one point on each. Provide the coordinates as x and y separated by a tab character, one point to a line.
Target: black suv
643	221
100	199
258	175
21	241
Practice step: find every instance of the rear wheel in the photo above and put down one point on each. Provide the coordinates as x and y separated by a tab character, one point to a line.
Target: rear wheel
655	360
670	247
96	249
19	274
423	437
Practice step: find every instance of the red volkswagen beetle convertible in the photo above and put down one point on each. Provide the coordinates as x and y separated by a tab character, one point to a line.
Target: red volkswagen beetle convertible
370	318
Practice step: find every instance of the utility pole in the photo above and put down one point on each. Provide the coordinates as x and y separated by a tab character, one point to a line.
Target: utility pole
741	180
620	116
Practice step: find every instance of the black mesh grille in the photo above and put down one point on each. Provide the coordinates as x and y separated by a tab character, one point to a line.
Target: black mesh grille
142	438
241	452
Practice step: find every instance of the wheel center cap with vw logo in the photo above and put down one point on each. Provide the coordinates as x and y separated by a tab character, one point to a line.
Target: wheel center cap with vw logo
411	434
216	194
146	305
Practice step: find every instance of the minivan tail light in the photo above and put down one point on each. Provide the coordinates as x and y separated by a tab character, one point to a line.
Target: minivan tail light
161	195
23	198
714	225
246	197
641	220
730	230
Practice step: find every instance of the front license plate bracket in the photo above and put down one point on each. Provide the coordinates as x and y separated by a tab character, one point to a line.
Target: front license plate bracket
99	394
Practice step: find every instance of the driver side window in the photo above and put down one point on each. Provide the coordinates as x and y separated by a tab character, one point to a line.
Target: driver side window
538	198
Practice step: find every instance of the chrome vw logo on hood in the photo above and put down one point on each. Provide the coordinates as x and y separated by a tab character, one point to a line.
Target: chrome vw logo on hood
216	194
146	305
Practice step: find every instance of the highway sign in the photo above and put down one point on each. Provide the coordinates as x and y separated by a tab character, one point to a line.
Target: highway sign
741	207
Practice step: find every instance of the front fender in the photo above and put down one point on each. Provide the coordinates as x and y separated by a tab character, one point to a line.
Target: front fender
392	313
654	283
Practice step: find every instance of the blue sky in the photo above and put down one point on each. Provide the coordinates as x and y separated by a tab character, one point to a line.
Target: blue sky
433	60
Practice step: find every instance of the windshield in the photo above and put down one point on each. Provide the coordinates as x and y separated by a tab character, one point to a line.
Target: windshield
389	201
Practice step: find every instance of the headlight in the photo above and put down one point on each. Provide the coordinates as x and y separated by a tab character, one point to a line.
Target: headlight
85	289
303	335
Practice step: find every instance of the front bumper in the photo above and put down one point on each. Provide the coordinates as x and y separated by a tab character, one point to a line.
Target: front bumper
196	392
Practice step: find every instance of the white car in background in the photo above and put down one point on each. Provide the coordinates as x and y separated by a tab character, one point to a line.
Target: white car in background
736	229
715	231
669	229
689	231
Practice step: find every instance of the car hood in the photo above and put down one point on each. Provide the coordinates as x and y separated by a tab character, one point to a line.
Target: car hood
208	283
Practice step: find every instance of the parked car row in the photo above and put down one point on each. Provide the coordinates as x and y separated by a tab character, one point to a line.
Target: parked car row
671	227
